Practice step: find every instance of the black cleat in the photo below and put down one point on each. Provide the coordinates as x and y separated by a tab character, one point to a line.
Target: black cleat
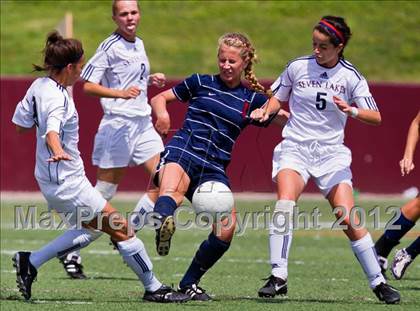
164	235
387	293
72	265
274	286
195	292
25	273
166	294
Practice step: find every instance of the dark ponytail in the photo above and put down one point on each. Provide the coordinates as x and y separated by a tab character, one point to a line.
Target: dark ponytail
59	52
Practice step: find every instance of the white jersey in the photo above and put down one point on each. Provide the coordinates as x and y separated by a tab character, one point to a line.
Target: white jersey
120	64
48	106
309	88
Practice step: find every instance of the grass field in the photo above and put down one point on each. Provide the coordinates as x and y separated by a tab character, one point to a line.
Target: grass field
323	272
180	36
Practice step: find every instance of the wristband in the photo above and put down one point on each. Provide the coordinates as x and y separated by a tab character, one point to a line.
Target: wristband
354	112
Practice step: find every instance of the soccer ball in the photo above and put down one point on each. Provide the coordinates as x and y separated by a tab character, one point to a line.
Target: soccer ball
212	197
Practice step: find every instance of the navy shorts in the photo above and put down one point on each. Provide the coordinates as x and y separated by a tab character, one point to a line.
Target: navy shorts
197	170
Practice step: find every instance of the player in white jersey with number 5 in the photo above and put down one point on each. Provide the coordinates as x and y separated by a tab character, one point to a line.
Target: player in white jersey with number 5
119	73
61	177
321	90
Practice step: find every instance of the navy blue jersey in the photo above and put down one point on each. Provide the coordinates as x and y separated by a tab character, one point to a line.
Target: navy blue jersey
216	116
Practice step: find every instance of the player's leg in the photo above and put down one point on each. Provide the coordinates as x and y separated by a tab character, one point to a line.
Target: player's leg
290	185
135	255
341	197
106	184
146	152
174	183
147	202
63	199
410	213
208	253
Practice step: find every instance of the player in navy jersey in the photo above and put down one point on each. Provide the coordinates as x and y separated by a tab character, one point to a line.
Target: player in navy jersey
119	73
410	213
218	110
61	177
320	90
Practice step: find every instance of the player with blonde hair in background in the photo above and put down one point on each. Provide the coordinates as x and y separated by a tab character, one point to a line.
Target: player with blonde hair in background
119	73
320	89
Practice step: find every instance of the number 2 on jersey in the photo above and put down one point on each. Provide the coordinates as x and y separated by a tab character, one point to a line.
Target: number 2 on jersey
321	103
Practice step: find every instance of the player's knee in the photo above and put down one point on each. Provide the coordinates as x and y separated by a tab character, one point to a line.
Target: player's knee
106	189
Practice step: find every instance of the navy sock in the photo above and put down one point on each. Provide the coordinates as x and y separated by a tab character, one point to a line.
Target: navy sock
414	248
165	206
384	246
209	252
404	223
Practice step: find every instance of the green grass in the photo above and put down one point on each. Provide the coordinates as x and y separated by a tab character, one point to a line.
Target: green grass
323	273
181	36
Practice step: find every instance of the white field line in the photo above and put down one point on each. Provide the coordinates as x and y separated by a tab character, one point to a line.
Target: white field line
321	225
36	196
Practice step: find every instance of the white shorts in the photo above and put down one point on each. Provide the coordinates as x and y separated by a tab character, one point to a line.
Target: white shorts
329	165
122	141
76	197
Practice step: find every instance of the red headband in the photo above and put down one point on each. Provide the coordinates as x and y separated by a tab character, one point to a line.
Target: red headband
335	30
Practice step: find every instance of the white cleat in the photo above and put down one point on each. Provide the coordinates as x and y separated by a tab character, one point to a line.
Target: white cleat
400	263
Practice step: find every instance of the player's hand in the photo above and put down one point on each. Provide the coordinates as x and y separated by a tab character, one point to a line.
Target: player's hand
131	92
406	166
163	124
157	79
342	104
259	114
60	156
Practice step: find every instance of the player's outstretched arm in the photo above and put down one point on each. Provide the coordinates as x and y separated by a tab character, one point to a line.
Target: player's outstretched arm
94	89
368	116
406	164
262	114
158	103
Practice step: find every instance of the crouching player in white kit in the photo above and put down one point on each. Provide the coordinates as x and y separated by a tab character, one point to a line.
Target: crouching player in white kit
119	73
61	177
320	90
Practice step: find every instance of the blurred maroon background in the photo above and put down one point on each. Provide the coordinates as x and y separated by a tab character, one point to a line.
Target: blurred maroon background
376	150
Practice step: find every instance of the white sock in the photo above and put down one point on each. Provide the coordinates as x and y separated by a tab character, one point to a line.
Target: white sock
365	253
281	229
144	206
107	189
67	242
135	255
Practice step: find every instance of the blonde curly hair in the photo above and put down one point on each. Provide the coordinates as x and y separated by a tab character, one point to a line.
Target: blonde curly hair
238	40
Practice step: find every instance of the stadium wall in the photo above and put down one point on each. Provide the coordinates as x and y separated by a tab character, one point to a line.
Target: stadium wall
376	150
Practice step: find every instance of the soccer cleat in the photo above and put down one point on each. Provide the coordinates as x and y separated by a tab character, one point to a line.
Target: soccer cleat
195	292
383	263
400	263
72	265
25	273
164	235
274	286
387	293
165	294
